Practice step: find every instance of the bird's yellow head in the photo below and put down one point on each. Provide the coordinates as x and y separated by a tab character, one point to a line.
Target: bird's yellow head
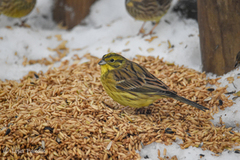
111	61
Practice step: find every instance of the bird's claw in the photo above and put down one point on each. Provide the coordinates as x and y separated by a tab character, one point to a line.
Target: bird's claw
141	31
143	111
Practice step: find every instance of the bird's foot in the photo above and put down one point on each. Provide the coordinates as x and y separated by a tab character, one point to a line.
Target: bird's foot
23	24
150	33
143	111
124	108
141	31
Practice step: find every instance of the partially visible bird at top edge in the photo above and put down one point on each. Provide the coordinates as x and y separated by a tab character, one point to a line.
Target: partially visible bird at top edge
16	8
186	9
147	10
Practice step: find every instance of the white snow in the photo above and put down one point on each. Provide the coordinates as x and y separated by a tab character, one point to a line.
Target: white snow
110	28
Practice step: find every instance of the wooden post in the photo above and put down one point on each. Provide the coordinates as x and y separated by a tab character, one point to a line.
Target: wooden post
219	27
69	13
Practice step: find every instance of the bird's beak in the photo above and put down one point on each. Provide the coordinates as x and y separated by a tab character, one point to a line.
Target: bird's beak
102	62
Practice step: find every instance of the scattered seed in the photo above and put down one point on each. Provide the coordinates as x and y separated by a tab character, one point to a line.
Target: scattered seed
165	152
126	50
207	99
146	157
190	35
169	44
211	89
169	131
220	102
43	145
48	128
10	124
230	92
235	98
7	131
201	155
230	79
36	75
58	140
109	145
83	127
149	50
237	94
166	21
151	39
237	151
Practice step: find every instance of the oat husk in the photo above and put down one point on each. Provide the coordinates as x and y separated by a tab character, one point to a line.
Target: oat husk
65	114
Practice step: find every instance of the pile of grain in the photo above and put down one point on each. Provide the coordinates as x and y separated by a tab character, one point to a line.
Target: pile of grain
65	114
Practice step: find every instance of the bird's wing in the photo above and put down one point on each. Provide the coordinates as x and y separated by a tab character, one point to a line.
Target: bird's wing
4	4
164	2
135	78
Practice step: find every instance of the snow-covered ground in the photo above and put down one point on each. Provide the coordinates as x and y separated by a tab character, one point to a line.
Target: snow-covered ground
110	28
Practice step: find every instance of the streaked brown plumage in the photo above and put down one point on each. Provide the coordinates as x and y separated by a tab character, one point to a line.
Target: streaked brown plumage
147	10
130	84
16	8
237	63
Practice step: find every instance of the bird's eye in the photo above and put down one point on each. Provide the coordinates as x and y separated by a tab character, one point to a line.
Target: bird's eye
112	60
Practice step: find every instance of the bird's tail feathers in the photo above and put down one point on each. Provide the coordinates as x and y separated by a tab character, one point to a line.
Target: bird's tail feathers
187	101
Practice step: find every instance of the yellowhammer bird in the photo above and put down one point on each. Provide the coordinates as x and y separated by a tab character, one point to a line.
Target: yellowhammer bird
16	8
237	60
147	10
132	85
